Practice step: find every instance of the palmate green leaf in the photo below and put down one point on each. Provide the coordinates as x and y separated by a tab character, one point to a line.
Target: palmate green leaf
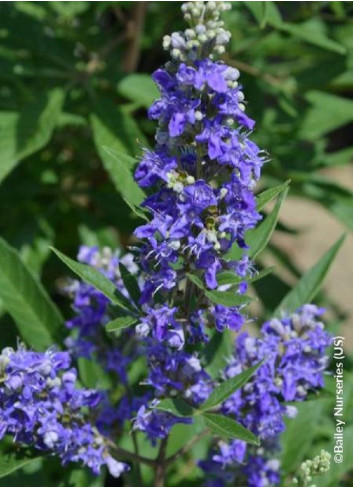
228	428
130	283
139	88
258	238
267	195
310	283
25	132
228	387
12	461
120	323
98	280
176	406
25	299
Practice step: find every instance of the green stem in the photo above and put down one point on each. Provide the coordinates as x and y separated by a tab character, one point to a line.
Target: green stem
131	457
160	464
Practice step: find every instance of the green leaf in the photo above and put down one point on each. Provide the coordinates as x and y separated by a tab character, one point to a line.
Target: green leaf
228	387
310	283
217	352
175	406
196	280
271	14
231	278
139	88
95	278
305	32
267	195
227	298
327	113
26	300
226	427
93	375
268	13
299	434
137	210
25	132
258	238
10	462
118	165
130	283
120	323
114	127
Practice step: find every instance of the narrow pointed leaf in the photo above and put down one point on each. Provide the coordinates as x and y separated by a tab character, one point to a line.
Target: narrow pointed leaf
130	283
196	280
227	298
267	195
10	462
119	167
310	283
228	428
95	278
120	323
228	387
25	299
258	238
231	278
175	406
217	352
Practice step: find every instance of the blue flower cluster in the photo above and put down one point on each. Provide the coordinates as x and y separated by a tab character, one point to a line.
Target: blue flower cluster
202	175
201	178
171	370
293	350
41	407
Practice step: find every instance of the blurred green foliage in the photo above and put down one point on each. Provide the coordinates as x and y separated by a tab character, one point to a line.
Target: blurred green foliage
74	80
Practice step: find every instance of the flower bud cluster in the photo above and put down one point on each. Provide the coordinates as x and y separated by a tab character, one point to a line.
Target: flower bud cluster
310	468
205	36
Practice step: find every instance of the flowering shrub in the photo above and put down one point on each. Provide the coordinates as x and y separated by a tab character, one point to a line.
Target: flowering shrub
164	327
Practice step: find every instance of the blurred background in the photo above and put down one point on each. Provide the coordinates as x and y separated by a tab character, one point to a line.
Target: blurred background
75	77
